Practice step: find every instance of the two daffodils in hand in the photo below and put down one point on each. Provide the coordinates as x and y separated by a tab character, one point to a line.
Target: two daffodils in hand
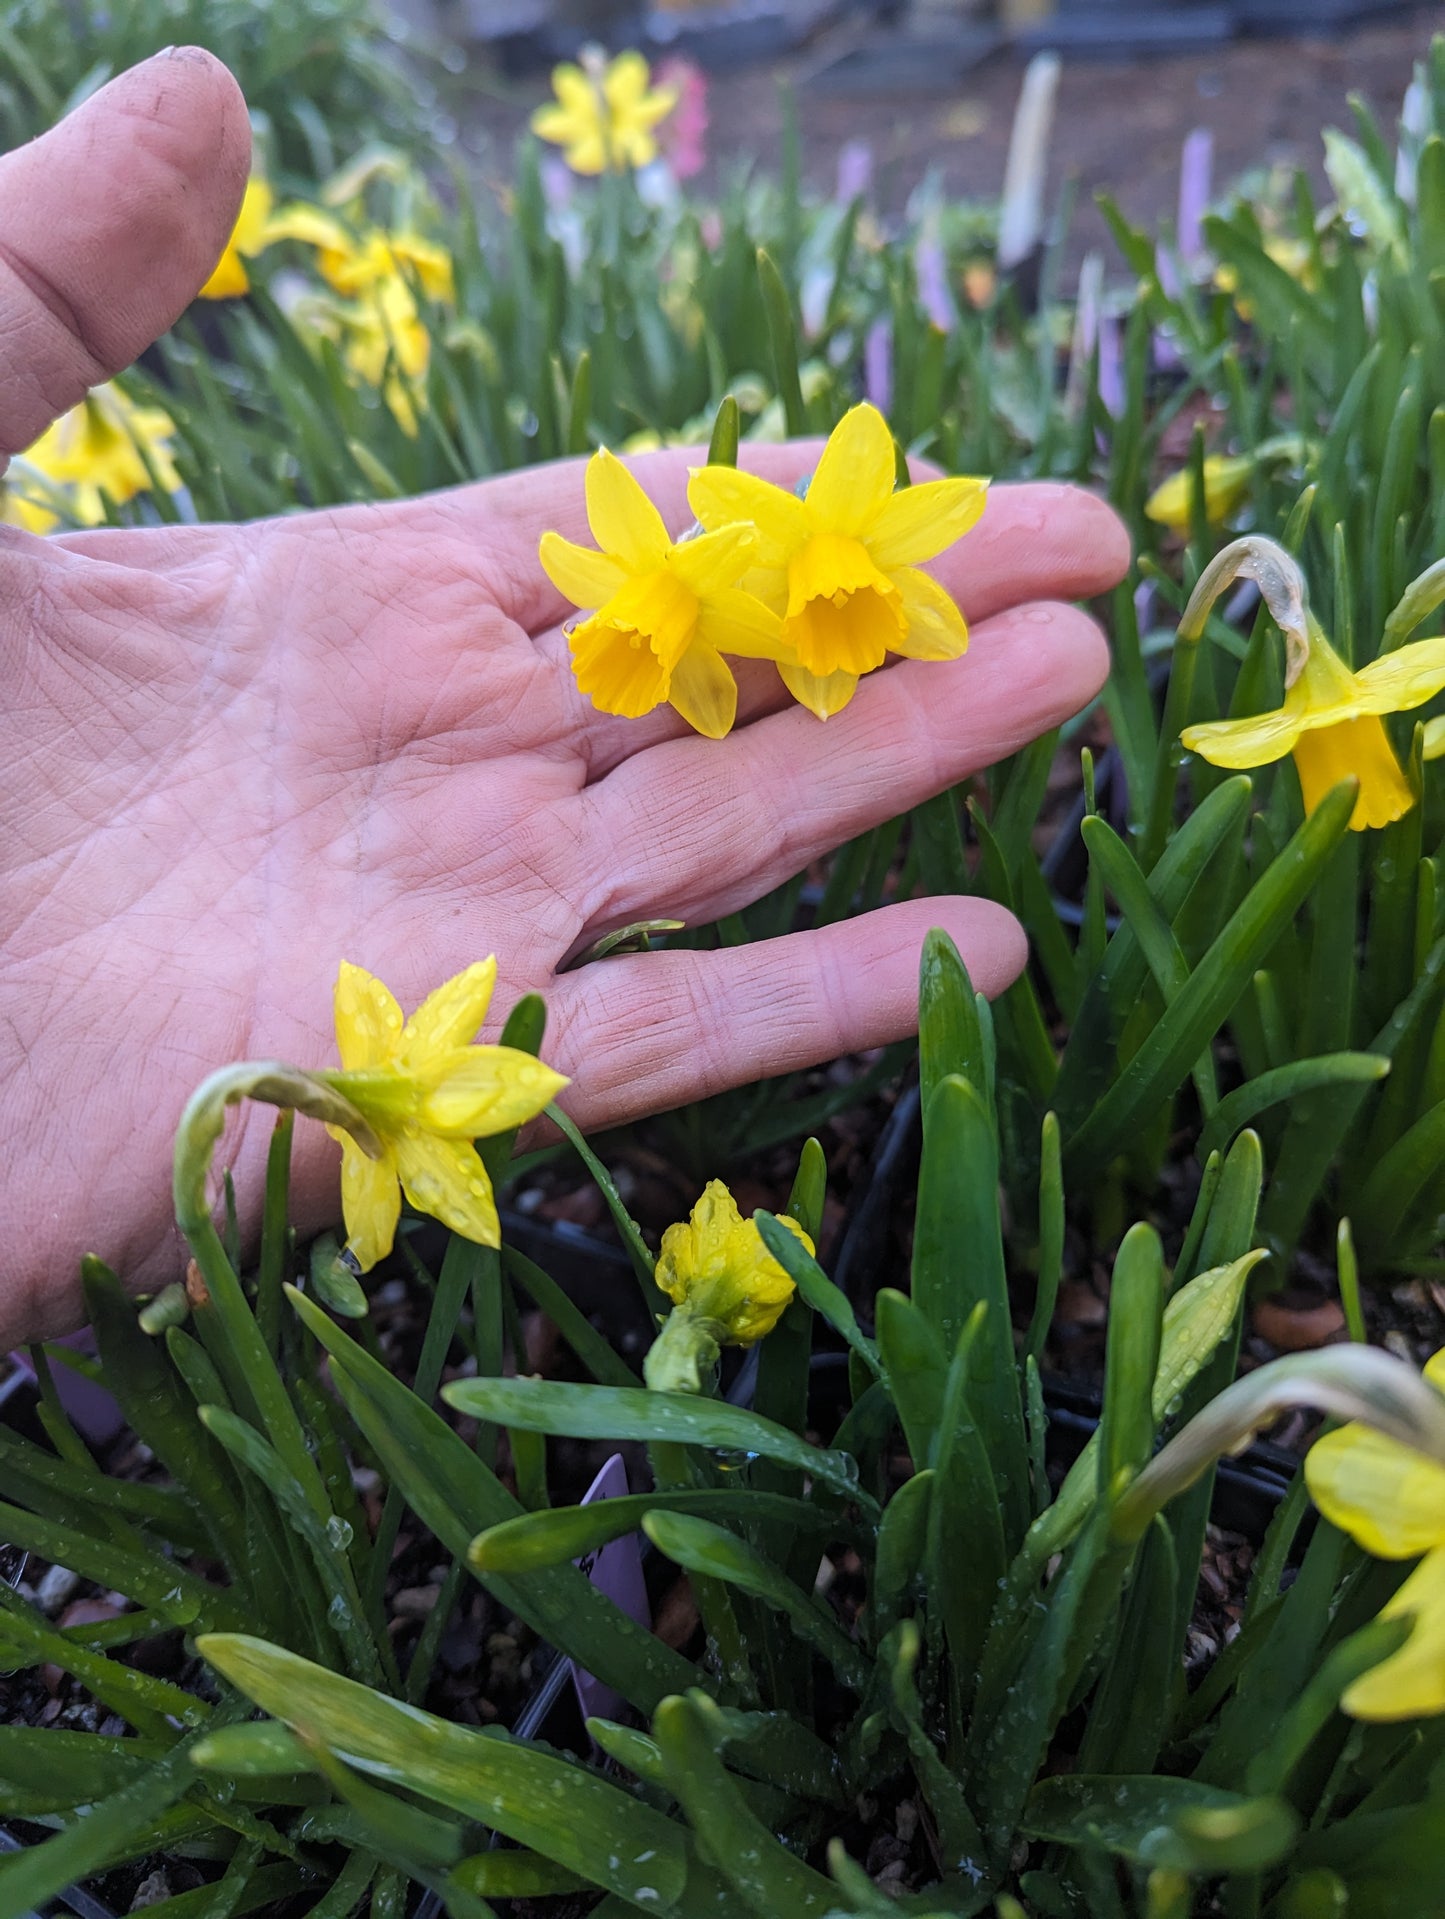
825	582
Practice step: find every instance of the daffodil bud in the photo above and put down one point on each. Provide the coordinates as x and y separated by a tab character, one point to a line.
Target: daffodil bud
726	1289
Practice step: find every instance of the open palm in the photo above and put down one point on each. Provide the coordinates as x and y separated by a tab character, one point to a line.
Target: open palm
231	756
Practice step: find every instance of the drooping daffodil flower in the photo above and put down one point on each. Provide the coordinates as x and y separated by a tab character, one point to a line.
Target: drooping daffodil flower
1391	1500
426	1092
840	566
353	260
666	610
89	456
605	112
1332	717
726	1289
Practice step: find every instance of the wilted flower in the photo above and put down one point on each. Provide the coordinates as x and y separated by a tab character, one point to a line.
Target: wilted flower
605	112
666	611
1391	1500
90	455
229	278
839	565
726	1289
1226	487
427	1094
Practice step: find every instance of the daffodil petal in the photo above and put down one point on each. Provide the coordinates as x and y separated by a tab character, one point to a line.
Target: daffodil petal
580	574
488	1089
704	692
450	1016
737	623
936	628
1402	679
625	81
856	474
822	693
310	225
921	521
229	278
722	495
624	521
1389	1499
1434	1370
446	1178
1251	742
713	561
1411	1682
370	1201
368	1019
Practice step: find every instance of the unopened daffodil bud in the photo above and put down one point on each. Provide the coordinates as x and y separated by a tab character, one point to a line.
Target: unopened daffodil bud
726	1289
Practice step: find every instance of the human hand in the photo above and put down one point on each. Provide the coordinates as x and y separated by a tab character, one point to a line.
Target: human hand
231	756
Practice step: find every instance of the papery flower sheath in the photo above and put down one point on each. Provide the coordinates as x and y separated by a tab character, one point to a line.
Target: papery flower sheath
1331	723
604	113
666	611
88	456
1391	1501
426	1094
839	567
229	278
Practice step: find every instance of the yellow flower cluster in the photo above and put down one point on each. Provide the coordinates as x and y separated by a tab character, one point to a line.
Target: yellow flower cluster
94	454
605	112
1391	1501
825	585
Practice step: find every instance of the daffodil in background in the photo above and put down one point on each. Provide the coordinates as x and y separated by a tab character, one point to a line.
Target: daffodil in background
354	259
666	611
726	1289
426	1093
1226	487
605	112
250	236
1391	1501
90	455
840	566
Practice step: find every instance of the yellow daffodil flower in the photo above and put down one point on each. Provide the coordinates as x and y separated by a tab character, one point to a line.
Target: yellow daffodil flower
726	1289
229	278
89	455
1226	487
604	113
839	566
387	345
666	611
353	262
426	1094
1330	722
1391	1501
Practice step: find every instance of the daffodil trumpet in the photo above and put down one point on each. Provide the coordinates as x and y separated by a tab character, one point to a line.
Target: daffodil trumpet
726	1289
1332	719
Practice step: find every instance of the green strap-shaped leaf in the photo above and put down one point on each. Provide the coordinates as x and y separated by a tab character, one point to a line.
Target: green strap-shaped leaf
1177	1824
950	1038
958	1264
700	1547
1241	1107
764	1874
563	1533
614	1412
815	1287
1213	988
560	1810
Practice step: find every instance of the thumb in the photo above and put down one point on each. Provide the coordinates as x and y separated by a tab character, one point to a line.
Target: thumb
109	224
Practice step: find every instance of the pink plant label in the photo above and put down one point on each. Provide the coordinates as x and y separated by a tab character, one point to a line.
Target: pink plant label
615	1569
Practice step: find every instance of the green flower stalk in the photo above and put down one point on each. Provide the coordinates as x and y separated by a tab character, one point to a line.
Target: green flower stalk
726	1289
